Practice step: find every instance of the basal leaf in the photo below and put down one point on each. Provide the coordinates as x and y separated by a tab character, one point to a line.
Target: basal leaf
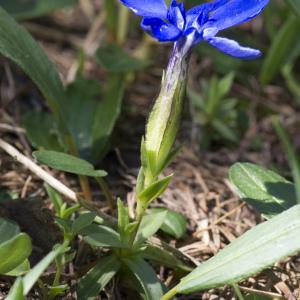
254	251
295	5
42	132
106	115
18	45
21	269
265	190
67	163
97	278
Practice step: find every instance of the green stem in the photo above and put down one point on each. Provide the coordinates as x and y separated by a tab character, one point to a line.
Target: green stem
170	294
238	292
122	24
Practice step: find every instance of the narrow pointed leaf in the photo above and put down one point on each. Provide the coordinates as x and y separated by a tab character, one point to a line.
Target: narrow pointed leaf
144	273
149	226
102	236
32	277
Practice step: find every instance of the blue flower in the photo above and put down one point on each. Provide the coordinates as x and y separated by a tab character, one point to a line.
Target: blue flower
201	23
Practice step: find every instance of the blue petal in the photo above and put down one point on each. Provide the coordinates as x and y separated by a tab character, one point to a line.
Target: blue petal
233	48
147	8
176	14
232	12
164	32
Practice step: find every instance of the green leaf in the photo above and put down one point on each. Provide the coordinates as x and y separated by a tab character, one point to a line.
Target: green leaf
67	163
107	114
17	291
102	236
55	199
114	59
32	277
265	190
291	153
18	45
164	257
123	217
33	8
21	269
295	5
83	221
149	226
98	277
14	251
284	42
82	93
154	190
144	273
254	251
174	223
41	130
8	230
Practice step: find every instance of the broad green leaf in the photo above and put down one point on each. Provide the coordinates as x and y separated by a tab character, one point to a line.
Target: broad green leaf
291	153
21	269
14	251
33	8
295	5
41	130
254	251
154	190
149	226
83	221
17	291
8	230
107	114
174	223
82	93
284	42
265	190
19	46
114	59
35	273
67	163
98	277
144	273
102	236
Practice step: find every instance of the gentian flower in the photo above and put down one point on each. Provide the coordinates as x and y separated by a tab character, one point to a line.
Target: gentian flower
185	29
201	23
